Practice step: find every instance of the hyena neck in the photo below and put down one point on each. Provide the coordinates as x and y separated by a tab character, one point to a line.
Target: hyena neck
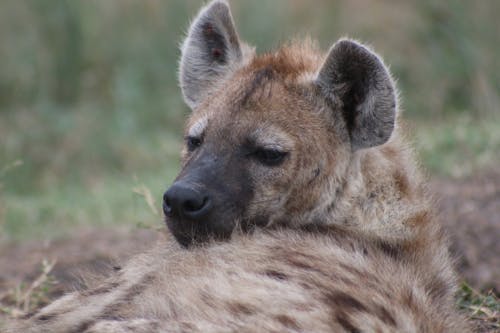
382	193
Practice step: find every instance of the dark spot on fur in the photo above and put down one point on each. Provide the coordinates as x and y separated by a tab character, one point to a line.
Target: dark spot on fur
354	271
187	327
151	327
437	288
46	317
287	321
318	228
418	219
402	183
331	206
341	300
338	193
260	79
248	226
276	275
409	301
342	319
241	309
306	286
304	263
385	315
301	264
393	251
82	327
346	281
316	173
100	290
137	289
207	298
113	310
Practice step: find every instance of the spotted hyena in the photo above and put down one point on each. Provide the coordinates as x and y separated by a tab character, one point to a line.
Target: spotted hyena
298	207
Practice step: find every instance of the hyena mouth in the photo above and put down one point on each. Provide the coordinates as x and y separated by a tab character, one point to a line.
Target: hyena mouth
191	233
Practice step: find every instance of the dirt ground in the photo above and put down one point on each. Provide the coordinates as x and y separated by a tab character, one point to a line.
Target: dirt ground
470	209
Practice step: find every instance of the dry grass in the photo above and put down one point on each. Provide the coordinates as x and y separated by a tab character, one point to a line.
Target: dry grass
482	309
26	298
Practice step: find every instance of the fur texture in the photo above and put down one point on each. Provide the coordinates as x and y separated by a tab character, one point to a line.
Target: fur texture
284	280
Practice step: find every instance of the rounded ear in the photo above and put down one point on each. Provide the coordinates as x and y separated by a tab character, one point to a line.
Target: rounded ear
209	52
355	80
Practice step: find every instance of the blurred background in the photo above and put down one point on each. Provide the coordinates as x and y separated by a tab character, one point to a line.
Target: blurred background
91	114
90	107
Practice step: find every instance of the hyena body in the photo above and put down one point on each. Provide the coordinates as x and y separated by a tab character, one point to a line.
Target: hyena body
298	200
281	281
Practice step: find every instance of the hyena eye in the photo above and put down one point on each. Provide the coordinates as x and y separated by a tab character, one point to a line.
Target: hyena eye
269	157
193	142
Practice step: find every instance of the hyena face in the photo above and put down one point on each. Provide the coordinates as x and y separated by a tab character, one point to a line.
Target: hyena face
270	137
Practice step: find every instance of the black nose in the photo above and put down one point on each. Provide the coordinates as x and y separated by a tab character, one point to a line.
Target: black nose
183	201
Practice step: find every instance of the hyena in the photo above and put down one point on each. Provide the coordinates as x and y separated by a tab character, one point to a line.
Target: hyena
298	208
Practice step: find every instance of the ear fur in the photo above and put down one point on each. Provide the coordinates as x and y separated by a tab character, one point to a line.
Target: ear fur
355	80
210	51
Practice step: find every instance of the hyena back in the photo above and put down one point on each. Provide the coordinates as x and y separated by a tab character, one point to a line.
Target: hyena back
298	207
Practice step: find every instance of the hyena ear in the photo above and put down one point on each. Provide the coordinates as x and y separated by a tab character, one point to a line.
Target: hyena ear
355	80
211	50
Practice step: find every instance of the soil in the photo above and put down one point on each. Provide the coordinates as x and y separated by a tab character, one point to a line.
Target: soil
94	251
469	208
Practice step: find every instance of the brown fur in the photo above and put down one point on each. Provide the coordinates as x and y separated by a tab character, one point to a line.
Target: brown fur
328	280
344	239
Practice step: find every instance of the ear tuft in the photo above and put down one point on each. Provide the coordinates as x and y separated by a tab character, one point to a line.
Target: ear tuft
209	53
354	79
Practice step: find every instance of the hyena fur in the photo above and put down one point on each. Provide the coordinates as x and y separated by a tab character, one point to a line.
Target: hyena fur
299	207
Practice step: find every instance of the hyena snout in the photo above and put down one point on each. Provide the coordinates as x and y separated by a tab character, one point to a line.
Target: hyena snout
183	201
206	199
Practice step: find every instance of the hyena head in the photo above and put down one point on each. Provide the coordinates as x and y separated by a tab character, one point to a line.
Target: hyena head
271	137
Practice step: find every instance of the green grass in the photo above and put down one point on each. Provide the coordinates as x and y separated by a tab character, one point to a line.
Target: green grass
459	145
483	309
64	209
82	169
115	198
